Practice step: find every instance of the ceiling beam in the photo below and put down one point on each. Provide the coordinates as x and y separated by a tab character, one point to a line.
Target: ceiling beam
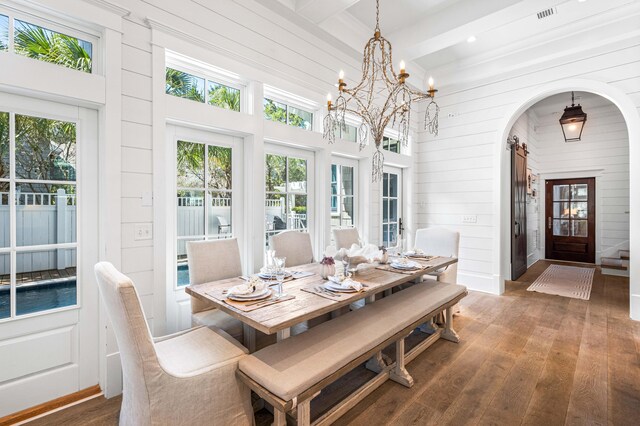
318	11
454	25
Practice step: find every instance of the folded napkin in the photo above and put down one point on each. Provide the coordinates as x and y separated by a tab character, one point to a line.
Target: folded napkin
253	285
346	283
416	252
357	254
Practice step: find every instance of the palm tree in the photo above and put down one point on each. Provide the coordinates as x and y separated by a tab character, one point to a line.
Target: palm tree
183	85
224	97
45	45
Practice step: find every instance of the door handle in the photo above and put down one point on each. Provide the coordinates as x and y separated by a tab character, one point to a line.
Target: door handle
549	223
400	226
516	229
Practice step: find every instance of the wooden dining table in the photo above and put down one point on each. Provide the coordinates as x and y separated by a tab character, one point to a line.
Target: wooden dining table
304	305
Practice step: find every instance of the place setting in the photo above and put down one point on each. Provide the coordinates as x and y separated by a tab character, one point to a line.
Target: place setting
401	265
337	287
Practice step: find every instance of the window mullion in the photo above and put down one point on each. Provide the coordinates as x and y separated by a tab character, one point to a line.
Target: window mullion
206	192
12	214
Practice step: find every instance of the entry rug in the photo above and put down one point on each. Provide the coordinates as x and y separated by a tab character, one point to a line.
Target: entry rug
567	281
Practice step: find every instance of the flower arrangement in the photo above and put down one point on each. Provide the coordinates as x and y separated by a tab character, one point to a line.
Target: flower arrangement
327	260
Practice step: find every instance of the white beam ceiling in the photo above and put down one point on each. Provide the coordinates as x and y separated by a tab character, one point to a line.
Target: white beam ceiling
318	11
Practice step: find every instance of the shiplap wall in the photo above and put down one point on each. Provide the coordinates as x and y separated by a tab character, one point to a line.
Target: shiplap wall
604	147
456	169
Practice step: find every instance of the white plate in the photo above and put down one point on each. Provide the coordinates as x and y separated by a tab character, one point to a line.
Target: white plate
266	292
337	287
407	266
267	276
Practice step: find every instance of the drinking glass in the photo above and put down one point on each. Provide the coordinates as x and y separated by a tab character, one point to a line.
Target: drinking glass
280	273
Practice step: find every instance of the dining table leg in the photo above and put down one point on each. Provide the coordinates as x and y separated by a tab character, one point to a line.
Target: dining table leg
249	337
283	334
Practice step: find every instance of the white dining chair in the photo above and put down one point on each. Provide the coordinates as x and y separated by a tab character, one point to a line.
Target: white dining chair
213	260
294	245
440	242
185	378
345	238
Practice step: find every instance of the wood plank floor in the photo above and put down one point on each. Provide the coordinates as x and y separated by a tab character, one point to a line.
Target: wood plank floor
524	358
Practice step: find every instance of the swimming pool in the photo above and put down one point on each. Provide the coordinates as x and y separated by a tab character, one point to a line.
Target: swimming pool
39	297
183	274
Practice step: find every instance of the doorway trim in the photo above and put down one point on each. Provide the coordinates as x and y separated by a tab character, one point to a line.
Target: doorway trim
502	232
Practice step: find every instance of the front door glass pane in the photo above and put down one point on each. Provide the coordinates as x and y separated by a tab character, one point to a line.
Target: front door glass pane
579	228
580	192
561	192
561	227
579	210
570	204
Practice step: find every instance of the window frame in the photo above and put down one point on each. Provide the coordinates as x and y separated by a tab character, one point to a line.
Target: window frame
209	73
344	162
17	105
287	151
207	138
74	30
288	105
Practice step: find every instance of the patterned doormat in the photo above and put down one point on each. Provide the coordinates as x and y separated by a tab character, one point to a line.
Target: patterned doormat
567	281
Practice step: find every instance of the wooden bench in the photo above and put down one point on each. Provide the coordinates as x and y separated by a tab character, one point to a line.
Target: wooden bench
289	374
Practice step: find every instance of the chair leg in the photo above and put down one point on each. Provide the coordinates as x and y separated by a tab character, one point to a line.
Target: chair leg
279	417
304	413
449	333
399	374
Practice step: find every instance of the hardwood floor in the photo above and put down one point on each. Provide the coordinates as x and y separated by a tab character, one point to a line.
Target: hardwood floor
524	358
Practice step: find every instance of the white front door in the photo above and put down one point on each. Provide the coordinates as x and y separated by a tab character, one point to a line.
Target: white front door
392	226
205	204
48	246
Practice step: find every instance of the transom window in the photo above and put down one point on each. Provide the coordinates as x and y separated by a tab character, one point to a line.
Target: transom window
200	89
29	39
347	133
287	114
286	200
38	210
203	198
342	196
391	144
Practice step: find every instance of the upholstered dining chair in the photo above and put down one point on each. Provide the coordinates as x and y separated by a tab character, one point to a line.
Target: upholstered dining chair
345	238
440	242
213	260
294	245
185	378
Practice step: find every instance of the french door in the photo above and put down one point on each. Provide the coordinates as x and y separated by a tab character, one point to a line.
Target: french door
570	219
392	227
48	246
207	204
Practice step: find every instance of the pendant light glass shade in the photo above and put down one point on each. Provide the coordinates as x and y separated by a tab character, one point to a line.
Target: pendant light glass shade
572	122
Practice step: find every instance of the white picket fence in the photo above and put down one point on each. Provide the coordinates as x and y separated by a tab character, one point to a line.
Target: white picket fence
41	218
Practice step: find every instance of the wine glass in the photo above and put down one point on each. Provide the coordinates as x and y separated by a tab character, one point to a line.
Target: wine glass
280	273
345	265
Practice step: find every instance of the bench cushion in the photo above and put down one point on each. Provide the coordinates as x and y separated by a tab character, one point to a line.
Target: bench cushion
292	366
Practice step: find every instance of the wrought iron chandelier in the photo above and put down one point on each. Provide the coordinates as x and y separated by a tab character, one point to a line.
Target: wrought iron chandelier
382	99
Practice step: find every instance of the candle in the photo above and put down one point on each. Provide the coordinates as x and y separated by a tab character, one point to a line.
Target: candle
402	67
341	75
430	83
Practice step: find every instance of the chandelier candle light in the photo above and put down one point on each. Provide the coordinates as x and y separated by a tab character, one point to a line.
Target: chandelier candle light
382	99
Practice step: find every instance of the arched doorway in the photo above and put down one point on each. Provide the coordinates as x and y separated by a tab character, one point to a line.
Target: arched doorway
502	174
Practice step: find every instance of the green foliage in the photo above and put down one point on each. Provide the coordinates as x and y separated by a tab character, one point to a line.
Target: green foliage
224	97
45	150
191	170
183	85
300	209
45	45
219	167
275	172
275	111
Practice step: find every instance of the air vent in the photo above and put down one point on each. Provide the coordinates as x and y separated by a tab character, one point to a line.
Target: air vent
546	13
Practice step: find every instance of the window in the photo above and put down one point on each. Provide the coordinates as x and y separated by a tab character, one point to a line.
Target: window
38	200
188	86
391	208
286	200
342	196
348	133
203	198
391	144
283	113
46	45
4	32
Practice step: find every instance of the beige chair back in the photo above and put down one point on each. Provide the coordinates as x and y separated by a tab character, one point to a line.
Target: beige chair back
345	238
212	260
295	246
440	242
135	343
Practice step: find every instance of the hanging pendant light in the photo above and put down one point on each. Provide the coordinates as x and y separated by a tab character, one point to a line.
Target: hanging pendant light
572	121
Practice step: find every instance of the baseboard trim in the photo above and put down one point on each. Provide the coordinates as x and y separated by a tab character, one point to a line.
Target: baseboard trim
43	408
